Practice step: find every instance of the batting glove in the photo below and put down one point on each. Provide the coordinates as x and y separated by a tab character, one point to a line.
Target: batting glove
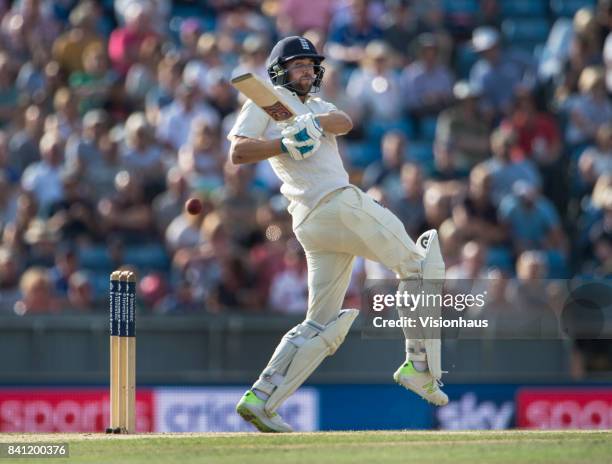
299	150
305	127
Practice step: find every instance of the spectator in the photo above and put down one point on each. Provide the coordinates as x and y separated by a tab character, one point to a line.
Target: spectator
476	216
36	293
69	48
170	203
124	43
73	217
65	120
93	85
497	72
596	160
289	290
8	202
10	270
80	292
426	83
23	145
532	219
589	110
350	33
505	171
377	87
126	212
201	161
44	178
386	172
141	154
400	27
462	134
9	94
176	119
66	265
296	16
408	206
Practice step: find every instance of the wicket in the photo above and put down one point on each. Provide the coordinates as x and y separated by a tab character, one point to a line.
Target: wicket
122	308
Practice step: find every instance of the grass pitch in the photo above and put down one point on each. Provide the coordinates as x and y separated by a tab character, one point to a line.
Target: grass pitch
512	447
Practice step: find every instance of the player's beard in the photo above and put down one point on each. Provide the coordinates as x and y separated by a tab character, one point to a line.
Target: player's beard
302	86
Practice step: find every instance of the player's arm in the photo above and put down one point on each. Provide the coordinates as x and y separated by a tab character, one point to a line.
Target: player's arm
335	122
245	150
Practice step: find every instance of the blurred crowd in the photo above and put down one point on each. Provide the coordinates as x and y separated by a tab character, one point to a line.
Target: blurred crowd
489	120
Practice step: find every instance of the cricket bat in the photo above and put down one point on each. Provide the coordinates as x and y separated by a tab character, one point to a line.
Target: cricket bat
264	95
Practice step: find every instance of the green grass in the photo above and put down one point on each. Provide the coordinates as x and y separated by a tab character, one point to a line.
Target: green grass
512	447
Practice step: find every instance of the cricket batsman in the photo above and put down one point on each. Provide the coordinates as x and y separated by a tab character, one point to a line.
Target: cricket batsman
335	222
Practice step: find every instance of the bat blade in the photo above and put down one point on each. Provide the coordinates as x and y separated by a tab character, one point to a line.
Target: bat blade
264	95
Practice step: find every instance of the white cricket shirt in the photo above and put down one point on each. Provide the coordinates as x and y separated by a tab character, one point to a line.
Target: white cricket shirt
305	182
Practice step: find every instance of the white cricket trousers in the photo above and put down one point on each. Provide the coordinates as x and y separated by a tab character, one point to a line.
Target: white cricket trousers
345	224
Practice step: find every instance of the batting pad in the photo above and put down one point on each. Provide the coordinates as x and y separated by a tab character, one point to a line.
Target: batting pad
309	355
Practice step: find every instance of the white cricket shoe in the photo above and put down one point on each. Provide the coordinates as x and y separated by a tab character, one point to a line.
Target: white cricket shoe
251	409
421	383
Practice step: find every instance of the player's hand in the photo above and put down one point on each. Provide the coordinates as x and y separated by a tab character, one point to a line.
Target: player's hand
299	150
304	127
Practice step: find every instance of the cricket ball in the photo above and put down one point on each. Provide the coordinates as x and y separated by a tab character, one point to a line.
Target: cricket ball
193	206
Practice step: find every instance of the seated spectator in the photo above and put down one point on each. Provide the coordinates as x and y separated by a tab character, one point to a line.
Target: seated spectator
334	91
7	171
289	288
596	161
536	131
408	206
66	265
588	110
532	220
350	33
376	86
162	93
426	83
184	231
141	78
66	119
236	289
462	134
201	160
505	171
8	91
83	153
296	16
44	178
497	72
141	154
237	205
37	295
23	144
475	216
176	118
73	217
437	206
126	212
400	27
170	203
124	42
95	83
253	58
14	231
472	267
10	271
386	172
80	292
69	47
8	202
